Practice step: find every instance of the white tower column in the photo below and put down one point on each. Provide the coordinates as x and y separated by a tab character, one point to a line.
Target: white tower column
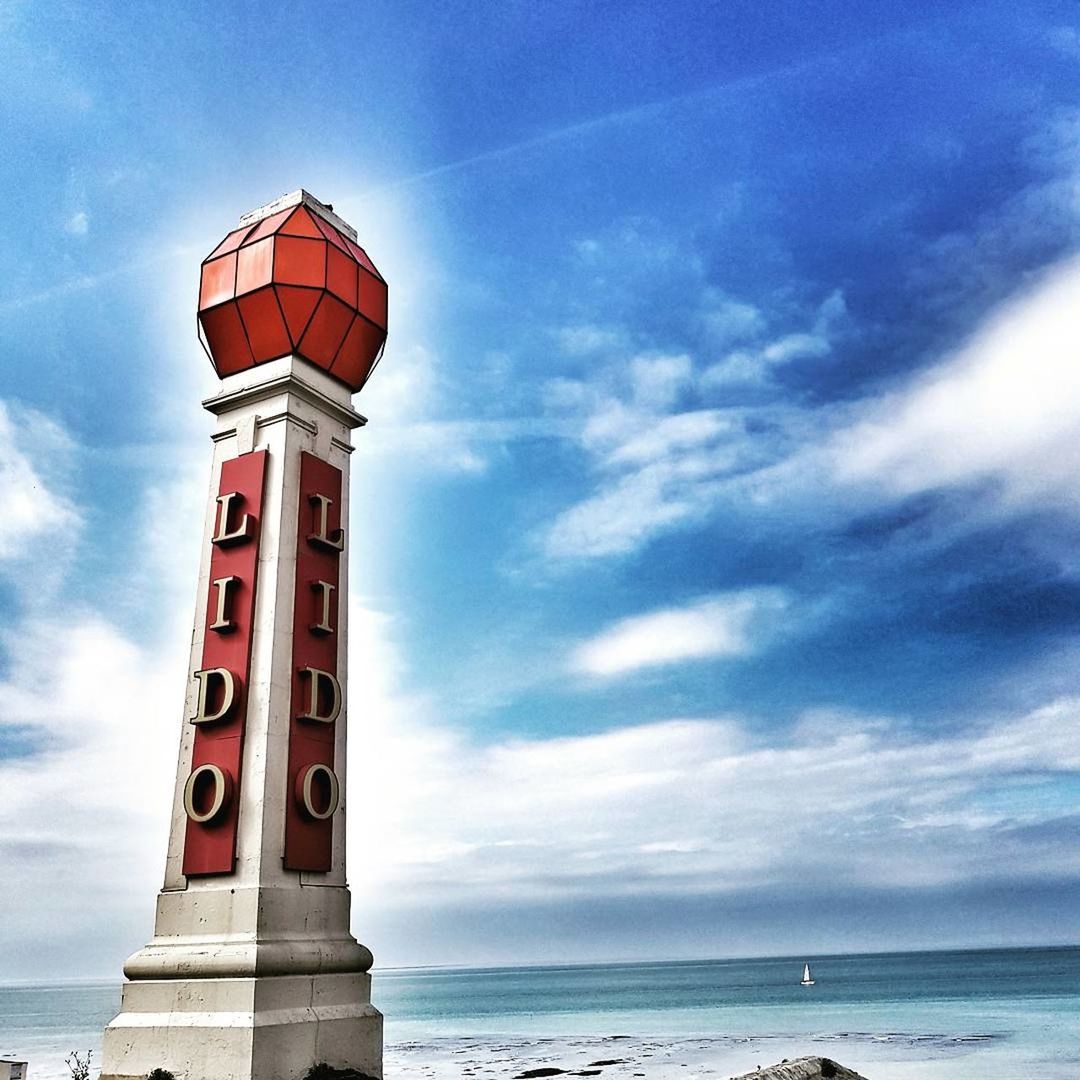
252	974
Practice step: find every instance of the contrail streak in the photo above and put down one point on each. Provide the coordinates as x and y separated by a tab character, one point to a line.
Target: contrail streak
634	114
87	282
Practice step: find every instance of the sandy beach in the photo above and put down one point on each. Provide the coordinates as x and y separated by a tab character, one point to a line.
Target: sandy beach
611	1057
620	1057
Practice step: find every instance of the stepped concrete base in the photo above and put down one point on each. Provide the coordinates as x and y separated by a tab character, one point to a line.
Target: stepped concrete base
262	1028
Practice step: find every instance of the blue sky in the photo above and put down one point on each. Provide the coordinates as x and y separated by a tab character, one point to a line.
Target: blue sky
715	530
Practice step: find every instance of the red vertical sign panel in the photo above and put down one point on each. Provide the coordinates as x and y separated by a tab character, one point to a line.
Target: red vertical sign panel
212	794
317	697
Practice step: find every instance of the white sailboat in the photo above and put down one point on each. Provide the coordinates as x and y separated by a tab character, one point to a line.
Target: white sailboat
806	978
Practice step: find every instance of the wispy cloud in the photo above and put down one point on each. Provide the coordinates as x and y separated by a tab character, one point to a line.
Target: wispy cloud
78	224
728	321
82	698
1001	408
659	380
33	508
89	801
586	338
633	509
657	469
723	625
704	806
756	364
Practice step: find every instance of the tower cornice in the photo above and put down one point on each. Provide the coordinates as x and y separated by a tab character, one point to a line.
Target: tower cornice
284	376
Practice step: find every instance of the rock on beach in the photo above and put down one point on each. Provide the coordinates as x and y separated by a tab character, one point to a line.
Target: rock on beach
805	1068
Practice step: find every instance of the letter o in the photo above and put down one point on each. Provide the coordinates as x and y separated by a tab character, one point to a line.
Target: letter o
202	778
321	776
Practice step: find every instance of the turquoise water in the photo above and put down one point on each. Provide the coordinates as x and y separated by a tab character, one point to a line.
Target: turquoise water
1006	1013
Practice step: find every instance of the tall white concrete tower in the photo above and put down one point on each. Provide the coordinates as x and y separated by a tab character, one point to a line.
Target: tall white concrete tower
252	973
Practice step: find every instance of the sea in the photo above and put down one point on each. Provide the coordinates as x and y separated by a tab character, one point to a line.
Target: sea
962	1015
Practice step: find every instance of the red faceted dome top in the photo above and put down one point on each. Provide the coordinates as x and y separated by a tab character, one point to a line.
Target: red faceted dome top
292	279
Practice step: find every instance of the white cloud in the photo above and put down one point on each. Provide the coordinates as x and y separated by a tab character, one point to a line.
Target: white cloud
681	806
795	347
704	806
586	338
562	395
727	320
88	803
659	440
90	714
404	390
725	624
1001	411
32	449
78	224
615	431
659	473
663	467
754	364
401	398
658	380
622	517
1006	406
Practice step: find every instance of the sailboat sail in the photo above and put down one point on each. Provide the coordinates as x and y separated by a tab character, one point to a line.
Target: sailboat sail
807	979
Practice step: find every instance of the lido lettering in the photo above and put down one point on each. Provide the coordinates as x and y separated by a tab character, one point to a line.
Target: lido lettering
218	693
316	691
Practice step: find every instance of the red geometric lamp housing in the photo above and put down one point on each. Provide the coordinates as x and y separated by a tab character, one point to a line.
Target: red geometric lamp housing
292	279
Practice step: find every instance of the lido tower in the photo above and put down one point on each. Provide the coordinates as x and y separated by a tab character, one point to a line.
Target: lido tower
252	973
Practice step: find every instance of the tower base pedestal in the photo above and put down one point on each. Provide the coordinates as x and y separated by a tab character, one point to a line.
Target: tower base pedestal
260	1028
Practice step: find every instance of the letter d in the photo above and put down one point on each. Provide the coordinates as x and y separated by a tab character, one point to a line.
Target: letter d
325	690
207	679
